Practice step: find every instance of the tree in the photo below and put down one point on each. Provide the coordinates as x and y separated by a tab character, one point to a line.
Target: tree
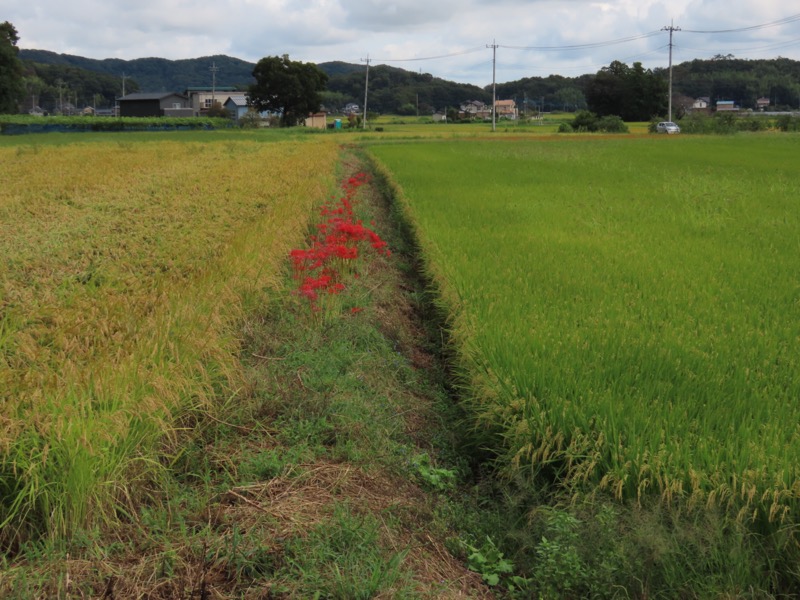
11	75
291	88
569	98
217	111
633	93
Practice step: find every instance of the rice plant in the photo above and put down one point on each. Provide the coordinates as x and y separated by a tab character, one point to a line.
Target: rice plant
126	270
625	311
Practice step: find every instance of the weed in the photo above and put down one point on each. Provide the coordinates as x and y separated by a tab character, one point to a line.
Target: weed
436	478
495	568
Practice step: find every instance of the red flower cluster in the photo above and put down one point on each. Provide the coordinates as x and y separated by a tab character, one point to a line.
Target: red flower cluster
319	268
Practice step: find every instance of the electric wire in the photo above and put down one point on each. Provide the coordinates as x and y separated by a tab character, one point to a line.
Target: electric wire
587	46
462	53
784	21
603	44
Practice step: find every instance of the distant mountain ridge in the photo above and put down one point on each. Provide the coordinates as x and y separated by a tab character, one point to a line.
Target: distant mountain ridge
391	89
157	74
398	91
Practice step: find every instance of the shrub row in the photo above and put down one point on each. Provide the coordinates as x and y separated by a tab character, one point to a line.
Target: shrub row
21	124
728	123
587	121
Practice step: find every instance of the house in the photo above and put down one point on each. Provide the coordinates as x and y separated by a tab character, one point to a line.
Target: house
726	106
506	109
202	98
762	103
318	120
439	117
236	105
351	109
156	104
701	103
475	109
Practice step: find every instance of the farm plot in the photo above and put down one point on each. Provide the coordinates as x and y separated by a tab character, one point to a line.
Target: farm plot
626	311
126	266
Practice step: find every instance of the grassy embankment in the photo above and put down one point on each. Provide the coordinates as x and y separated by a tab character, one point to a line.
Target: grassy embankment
625	315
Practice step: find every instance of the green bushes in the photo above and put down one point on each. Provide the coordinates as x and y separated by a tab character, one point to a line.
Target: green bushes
726	123
788	123
587	121
21	124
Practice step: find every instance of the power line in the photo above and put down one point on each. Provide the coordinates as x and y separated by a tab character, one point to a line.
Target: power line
748	49
784	21
589	45
600	44
596	66
463	52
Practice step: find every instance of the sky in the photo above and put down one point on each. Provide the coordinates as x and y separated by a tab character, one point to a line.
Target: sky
466	41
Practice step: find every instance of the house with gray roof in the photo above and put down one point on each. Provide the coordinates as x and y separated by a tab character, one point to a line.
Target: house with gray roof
236	105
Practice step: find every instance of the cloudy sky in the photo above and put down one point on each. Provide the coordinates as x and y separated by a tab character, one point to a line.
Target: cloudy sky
451	39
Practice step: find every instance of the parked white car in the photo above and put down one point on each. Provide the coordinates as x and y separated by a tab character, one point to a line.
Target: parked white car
667	127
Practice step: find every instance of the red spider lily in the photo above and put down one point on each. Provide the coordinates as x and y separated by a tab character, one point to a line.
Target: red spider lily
338	240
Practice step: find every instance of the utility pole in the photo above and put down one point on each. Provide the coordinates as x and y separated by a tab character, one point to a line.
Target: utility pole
671	29
124	77
60	84
213	68
366	91
493	46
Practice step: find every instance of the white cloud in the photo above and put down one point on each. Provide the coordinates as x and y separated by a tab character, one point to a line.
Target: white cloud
349	30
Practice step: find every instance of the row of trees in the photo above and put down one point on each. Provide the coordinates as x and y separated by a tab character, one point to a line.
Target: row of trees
743	81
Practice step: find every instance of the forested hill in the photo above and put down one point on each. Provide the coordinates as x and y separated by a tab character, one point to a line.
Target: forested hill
156	74
396	91
391	90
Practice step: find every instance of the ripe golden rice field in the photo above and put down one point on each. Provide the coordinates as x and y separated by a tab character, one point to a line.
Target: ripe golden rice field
124	269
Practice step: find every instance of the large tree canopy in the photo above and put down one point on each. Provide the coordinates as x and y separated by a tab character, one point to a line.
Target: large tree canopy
11	87
291	88
633	93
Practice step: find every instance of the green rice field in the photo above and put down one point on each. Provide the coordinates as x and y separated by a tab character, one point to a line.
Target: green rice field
626	311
